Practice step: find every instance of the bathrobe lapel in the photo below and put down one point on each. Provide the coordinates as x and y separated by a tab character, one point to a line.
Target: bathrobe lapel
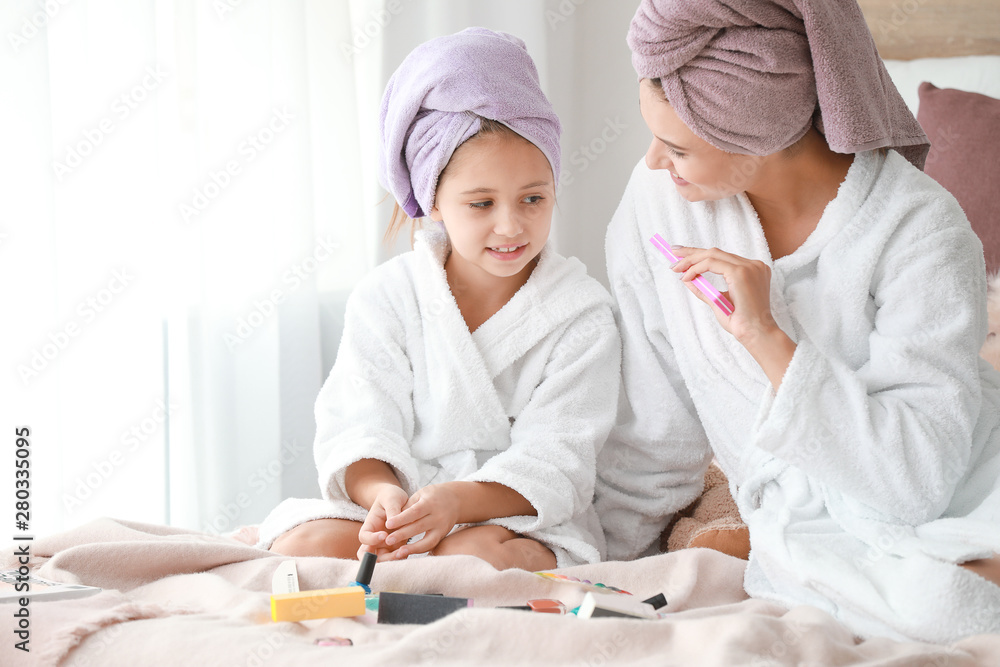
464	412
467	413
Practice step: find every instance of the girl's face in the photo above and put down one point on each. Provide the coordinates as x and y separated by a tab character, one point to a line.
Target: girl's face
495	199
699	170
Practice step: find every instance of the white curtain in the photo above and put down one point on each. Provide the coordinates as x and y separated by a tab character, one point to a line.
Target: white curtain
188	195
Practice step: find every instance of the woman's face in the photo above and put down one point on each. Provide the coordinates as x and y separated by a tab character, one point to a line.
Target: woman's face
495	199
699	170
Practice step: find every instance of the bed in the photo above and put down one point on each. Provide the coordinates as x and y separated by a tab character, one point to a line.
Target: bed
177	597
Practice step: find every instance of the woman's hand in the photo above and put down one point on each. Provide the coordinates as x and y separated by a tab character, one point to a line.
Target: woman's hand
749	283
433	510
389	501
752	323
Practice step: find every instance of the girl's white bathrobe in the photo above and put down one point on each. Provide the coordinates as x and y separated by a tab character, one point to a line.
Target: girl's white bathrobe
874	467
527	400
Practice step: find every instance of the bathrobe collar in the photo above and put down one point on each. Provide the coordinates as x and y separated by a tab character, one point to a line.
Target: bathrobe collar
557	292
522	322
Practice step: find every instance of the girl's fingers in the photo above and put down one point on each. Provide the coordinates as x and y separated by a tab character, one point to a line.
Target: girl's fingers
407	516
372	537
424	544
378	551
402	535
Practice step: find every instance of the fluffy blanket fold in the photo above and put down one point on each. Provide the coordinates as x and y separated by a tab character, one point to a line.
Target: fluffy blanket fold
181	597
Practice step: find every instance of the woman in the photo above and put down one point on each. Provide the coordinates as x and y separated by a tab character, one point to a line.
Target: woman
844	397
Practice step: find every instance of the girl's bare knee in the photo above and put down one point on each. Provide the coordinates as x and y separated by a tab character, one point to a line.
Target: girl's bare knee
498	546
529	554
331	538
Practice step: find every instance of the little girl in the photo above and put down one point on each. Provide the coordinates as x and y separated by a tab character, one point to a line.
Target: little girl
478	375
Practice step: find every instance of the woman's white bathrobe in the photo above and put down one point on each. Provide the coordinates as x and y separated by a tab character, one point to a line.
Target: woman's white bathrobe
875	465
527	400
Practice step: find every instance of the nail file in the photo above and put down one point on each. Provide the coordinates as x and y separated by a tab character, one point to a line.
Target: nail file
416	608
325	603
285	578
705	287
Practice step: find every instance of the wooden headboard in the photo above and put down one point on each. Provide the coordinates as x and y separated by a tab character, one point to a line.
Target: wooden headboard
908	29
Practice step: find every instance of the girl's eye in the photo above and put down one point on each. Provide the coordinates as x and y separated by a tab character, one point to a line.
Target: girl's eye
674	153
481	204
533	199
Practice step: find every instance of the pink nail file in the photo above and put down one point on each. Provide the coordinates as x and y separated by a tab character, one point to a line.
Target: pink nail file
703	285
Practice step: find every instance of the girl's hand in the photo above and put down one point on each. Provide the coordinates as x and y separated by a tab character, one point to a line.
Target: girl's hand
388	503
749	283
433	510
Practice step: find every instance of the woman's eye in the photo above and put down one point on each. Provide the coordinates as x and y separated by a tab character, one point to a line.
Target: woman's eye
533	199
481	204
674	153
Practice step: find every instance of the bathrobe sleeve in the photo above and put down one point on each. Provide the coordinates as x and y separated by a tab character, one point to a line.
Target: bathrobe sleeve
556	437
895	434
365	407
655	459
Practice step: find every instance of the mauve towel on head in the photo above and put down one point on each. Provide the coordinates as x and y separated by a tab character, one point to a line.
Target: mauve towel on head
747	76
433	101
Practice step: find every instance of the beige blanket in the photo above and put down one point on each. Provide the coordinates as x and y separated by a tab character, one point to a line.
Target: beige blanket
177	597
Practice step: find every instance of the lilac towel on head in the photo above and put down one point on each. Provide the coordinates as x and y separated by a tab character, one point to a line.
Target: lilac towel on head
434	100
747	76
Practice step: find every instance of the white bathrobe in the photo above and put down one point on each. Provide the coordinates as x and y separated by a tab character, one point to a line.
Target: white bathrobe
527	400
874	467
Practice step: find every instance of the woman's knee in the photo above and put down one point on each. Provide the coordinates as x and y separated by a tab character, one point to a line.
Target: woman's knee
332	538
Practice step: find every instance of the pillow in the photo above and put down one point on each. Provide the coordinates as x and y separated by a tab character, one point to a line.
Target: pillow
976	74
964	131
